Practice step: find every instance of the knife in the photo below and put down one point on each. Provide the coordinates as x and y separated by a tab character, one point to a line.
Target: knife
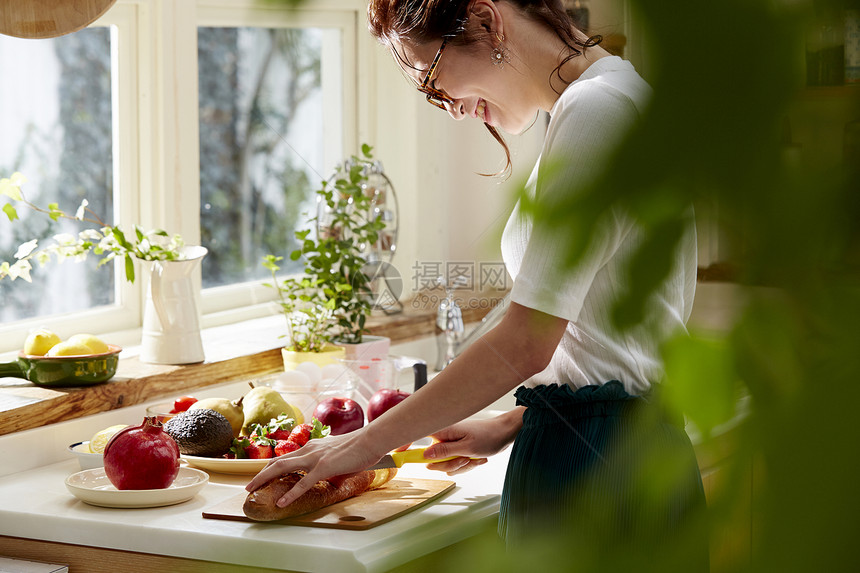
412	456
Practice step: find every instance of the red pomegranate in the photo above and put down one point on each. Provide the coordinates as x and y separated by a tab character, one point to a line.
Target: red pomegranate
142	457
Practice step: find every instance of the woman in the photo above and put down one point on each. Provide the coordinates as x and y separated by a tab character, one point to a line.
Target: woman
575	462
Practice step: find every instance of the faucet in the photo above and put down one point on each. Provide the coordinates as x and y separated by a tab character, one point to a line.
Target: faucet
449	322
451	340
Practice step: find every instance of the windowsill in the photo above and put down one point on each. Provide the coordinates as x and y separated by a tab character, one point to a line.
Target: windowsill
235	352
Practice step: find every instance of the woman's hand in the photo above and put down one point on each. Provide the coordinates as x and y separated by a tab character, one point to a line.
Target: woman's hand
473	441
321	459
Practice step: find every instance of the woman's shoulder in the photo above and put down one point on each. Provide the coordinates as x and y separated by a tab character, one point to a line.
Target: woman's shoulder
606	85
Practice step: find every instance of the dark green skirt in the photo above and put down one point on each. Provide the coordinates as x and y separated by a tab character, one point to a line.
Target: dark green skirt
599	467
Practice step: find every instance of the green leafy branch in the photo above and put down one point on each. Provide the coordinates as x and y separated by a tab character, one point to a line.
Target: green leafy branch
333	299
310	316
108	241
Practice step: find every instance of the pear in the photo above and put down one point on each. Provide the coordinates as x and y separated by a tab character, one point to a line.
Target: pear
261	405
232	410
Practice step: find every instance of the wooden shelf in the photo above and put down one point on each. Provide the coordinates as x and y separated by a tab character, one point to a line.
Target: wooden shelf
233	353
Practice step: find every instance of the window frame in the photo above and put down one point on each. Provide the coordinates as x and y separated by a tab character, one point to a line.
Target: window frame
156	141
228	303
124	21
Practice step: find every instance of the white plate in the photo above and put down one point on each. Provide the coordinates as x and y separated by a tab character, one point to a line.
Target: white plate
94	487
227	466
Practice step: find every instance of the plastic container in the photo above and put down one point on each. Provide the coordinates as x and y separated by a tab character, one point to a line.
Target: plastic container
304	391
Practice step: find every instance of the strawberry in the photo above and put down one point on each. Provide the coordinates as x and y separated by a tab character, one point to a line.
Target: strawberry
259	450
285	447
319	430
279	428
301	434
252	447
237	450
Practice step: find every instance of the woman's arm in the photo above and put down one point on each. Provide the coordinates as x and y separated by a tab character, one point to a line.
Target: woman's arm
519	347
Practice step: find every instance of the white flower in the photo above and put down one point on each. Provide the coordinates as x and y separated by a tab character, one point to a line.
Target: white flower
65	239
108	242
26	248
90	235
21	269
79	214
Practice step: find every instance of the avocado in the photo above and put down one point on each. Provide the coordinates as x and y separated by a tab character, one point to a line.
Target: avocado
204	432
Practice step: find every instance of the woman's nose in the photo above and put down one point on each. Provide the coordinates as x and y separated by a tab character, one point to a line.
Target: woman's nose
456	109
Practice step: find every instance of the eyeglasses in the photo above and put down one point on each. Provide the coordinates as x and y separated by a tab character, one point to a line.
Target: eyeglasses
436	97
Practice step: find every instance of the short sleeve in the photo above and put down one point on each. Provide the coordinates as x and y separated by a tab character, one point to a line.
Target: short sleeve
581	137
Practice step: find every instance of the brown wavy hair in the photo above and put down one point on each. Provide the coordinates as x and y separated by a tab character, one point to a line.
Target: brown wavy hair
418	22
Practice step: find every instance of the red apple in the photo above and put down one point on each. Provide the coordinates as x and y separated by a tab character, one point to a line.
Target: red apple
342	414
383	400
142	457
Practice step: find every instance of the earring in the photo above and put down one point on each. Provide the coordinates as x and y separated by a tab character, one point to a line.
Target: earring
499	54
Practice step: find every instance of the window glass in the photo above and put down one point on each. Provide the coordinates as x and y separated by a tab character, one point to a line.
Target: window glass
57	116
261	144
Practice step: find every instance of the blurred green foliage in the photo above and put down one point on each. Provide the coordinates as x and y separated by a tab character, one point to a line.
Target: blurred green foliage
728	79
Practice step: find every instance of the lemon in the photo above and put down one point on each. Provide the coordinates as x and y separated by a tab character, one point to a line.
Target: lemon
38	343
69	349
296	415
101	438
94	343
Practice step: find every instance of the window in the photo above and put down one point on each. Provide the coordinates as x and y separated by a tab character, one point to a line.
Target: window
277	109
215	120
57	131
261	143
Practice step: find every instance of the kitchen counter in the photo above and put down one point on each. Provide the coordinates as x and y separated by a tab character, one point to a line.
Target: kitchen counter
40	518
35	505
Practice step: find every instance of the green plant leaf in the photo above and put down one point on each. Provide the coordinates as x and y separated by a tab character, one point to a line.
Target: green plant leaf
10	190
129	268
271	262
700	380
54	212
10	211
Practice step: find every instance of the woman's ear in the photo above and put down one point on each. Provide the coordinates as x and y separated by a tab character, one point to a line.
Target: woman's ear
484	15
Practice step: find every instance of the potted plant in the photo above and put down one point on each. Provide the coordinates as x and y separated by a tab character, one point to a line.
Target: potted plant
334	262
309	315
170	335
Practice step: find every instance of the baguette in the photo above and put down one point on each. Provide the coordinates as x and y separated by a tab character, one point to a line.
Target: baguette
260	504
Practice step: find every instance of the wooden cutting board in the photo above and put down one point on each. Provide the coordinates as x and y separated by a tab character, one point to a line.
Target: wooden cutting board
372	508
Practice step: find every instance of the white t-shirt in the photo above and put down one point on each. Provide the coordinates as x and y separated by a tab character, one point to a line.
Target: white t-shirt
587	122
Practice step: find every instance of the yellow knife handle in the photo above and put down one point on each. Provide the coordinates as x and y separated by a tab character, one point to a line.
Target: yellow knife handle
415	456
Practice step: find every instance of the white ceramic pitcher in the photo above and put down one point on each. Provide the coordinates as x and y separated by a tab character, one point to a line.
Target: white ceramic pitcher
171	324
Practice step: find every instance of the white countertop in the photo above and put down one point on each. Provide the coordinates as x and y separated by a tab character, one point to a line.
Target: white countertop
35	504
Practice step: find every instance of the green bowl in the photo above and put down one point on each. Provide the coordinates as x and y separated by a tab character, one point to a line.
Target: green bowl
64	371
